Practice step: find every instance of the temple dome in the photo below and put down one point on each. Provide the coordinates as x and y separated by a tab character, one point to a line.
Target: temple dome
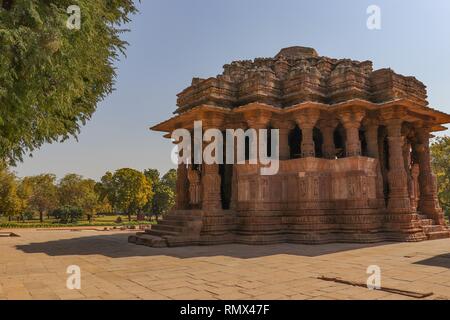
297	52
298	74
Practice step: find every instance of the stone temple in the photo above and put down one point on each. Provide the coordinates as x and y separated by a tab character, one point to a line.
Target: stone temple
354	156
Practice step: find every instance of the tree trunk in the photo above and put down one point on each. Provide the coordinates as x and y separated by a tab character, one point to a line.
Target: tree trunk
41	216
129	216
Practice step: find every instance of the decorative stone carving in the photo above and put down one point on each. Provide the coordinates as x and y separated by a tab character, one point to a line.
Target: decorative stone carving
194	187
211	188
351	120
327	127
415	187
398	181
306	120
428	203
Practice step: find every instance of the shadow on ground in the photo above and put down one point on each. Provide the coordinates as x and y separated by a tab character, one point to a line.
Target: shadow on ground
442	260
117	246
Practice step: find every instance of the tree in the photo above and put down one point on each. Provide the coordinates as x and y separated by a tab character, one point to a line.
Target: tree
164	191
52	76
163	200
105	189
152	175
68	214
74	191
10	203
128	189
43	193
440	160
170	179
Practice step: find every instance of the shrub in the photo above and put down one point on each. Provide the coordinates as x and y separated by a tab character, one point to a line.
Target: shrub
68	214
27	215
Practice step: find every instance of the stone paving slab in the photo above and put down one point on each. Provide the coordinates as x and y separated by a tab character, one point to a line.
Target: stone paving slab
33	266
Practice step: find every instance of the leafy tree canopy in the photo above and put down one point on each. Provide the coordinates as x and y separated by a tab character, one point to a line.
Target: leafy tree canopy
52	77
10	203
440	151
75	191
127	190
170	179
43	193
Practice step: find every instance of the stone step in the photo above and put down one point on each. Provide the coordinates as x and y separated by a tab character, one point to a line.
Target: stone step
177	216
433	228
175	223
165	227
148	240
192	213
426	222
159	233
438	235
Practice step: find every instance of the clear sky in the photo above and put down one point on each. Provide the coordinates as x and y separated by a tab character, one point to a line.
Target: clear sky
172	41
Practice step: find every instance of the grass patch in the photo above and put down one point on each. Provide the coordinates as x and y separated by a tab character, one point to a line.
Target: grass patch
100	221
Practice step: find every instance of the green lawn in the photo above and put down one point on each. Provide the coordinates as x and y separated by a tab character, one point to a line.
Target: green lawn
107	220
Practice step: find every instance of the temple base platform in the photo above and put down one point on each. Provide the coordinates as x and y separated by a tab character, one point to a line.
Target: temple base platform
195	227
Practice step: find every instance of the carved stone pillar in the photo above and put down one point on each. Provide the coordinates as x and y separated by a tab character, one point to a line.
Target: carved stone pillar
407	164
327	127
371	133
399	200
284	127
211	182
182	188
428	203
258	120
351	120
234	179
415	187
211	179
195	189
306	120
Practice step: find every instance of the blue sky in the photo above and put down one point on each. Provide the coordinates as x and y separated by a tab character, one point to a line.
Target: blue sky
172	41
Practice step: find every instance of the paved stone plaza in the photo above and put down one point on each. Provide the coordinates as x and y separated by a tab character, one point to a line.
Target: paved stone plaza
33	266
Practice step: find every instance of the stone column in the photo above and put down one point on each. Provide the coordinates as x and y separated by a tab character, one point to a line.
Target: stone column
327	128
399	200
306	120
407	164
182	188
351	120
195	189
284	127
258	122
428	202
211	180
371	133
415	187
211	183
234	180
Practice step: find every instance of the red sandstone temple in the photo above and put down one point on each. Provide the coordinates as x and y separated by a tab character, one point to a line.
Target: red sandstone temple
354	156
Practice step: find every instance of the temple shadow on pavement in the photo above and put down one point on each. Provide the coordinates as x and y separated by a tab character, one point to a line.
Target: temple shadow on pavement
442	260
117	246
